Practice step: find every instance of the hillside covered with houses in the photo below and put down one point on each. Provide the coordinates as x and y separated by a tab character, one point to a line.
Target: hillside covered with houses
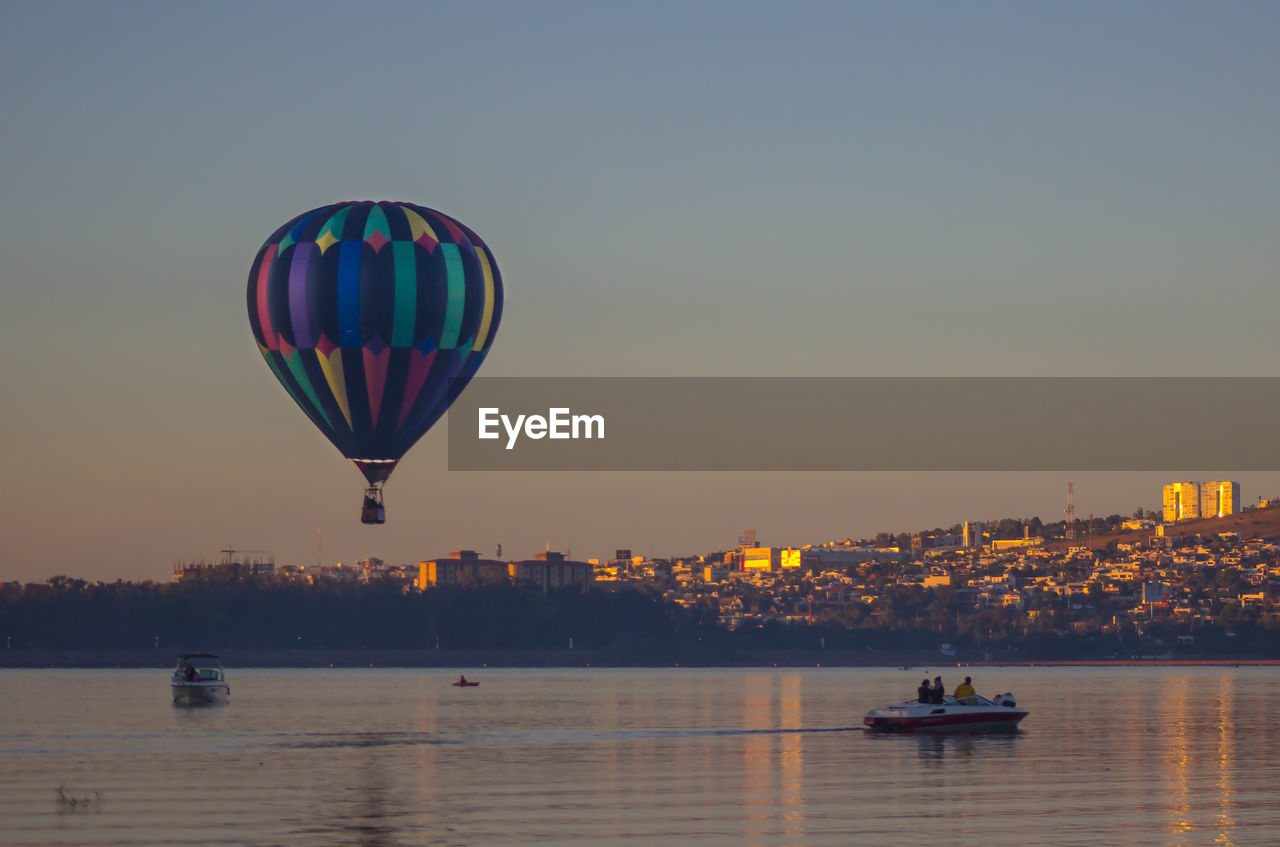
1108	588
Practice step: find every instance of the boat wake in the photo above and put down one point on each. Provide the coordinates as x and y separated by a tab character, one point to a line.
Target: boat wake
529	736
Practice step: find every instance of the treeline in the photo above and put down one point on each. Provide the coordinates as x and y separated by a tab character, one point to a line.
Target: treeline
262	615
249	614
630	625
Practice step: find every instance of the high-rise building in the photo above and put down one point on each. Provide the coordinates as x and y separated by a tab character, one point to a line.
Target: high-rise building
1187	500
1181	501
1219	499
972	533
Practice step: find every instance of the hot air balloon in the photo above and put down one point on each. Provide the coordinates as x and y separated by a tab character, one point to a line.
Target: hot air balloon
374	316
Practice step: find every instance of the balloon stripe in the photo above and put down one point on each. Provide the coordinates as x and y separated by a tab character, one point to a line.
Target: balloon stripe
288	385
299	372
264	313
405	308
332	367
300	223
349	293
456	303
302	335
450	227
419	368
418	227
483	332
376	229
438	391
375	377
331	232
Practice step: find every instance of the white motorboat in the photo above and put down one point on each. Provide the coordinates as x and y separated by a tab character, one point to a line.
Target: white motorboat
968	714
199	678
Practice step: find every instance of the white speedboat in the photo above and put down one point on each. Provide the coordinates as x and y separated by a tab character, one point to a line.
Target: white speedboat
968	714
199	678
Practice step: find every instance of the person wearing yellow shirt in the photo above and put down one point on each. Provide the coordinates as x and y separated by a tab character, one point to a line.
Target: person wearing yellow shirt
964	689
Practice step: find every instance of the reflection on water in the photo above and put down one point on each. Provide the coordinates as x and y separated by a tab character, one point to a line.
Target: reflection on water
364	815
1226	756
1141	756
772	756
941	750
791	761
757	754
1172	704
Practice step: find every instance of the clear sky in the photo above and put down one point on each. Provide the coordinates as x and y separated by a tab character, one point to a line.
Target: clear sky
670	188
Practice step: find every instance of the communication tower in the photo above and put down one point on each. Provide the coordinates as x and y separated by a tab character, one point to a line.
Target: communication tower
1071	511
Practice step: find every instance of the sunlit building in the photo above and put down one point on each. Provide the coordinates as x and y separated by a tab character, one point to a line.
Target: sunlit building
1181	501
462	567
792	558
1219	499
1003	545
715	573
1187	500
767	559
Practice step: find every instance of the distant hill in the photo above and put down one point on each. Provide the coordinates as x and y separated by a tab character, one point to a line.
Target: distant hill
1255	523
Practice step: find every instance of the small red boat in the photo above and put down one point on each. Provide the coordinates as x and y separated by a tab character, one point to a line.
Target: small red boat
462	683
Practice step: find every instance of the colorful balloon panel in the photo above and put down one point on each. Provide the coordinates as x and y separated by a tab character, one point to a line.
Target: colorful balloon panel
374	316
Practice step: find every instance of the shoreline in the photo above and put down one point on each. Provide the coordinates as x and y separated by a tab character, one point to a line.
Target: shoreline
453	659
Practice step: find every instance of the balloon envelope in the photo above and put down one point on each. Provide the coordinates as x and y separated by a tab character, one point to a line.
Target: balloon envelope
374	316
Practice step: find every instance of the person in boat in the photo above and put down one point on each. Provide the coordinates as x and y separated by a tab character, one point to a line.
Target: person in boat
965	689
189	671
924	694
938	691
462	680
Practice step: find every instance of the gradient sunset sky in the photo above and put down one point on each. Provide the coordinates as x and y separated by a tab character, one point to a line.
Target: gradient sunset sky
670	188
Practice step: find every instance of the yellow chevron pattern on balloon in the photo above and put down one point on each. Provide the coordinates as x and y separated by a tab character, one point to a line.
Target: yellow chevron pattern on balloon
331	233
418	225
332	367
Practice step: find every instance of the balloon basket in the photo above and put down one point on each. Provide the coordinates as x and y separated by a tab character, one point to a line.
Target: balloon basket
373	512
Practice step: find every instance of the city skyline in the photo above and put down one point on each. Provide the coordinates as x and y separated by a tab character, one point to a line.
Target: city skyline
858	190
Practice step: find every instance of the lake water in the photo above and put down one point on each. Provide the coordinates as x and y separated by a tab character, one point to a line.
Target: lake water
1108	756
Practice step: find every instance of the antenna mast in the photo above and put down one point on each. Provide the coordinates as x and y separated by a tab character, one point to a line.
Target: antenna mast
1071	511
